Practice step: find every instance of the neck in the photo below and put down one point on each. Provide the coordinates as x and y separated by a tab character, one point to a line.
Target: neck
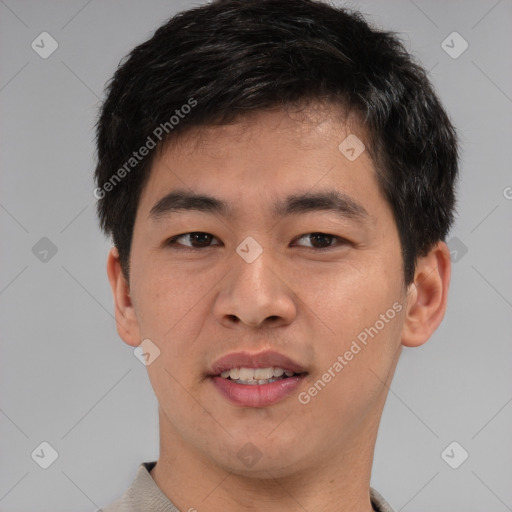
339	481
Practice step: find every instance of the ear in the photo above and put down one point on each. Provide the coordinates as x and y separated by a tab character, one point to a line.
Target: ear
127	325
427	296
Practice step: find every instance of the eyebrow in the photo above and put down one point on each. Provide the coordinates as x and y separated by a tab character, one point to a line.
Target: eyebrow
329	200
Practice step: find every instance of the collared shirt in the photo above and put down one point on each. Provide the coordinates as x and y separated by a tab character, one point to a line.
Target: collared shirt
145	496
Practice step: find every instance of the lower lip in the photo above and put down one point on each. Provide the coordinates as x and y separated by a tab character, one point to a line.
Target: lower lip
257	395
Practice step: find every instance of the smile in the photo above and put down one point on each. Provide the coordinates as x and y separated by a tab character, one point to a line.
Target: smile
257	379
254	376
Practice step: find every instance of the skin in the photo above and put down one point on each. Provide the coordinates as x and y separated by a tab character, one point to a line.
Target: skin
198	306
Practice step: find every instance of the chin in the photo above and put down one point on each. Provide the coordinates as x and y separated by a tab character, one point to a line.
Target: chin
260	458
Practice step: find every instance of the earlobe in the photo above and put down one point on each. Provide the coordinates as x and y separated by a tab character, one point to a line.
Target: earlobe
126	321
427	297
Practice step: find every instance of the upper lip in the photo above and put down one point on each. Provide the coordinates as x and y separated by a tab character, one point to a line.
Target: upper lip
264	359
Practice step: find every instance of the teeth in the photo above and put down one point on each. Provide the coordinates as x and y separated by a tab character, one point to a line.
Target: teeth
278	372
254	376
263	373
246	374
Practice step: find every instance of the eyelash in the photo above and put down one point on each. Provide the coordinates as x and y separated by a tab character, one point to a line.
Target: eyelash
172	241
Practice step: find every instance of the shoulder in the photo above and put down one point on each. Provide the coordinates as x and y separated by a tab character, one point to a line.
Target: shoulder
143	494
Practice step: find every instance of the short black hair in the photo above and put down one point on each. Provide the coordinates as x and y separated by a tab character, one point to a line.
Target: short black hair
214	63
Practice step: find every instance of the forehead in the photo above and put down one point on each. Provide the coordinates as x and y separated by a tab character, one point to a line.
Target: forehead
263	157
304	126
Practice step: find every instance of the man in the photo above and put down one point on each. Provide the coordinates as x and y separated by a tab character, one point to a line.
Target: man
278	180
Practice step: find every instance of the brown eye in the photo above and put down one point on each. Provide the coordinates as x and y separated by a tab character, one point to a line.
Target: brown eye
322	240
197	240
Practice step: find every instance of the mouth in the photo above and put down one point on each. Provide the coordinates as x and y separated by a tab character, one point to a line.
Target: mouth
256	380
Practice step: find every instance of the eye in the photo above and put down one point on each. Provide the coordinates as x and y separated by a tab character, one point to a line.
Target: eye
201	240
322	240
198	239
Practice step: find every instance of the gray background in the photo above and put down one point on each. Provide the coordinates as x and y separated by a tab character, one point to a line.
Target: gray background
67	379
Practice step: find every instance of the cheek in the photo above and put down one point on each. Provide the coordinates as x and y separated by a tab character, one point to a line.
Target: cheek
171	314
165	297
352	370
353	297
173	309
363	309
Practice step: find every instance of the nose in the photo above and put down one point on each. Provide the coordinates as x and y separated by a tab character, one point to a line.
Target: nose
256	294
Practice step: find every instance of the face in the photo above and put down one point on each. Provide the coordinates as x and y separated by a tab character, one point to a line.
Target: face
270	281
